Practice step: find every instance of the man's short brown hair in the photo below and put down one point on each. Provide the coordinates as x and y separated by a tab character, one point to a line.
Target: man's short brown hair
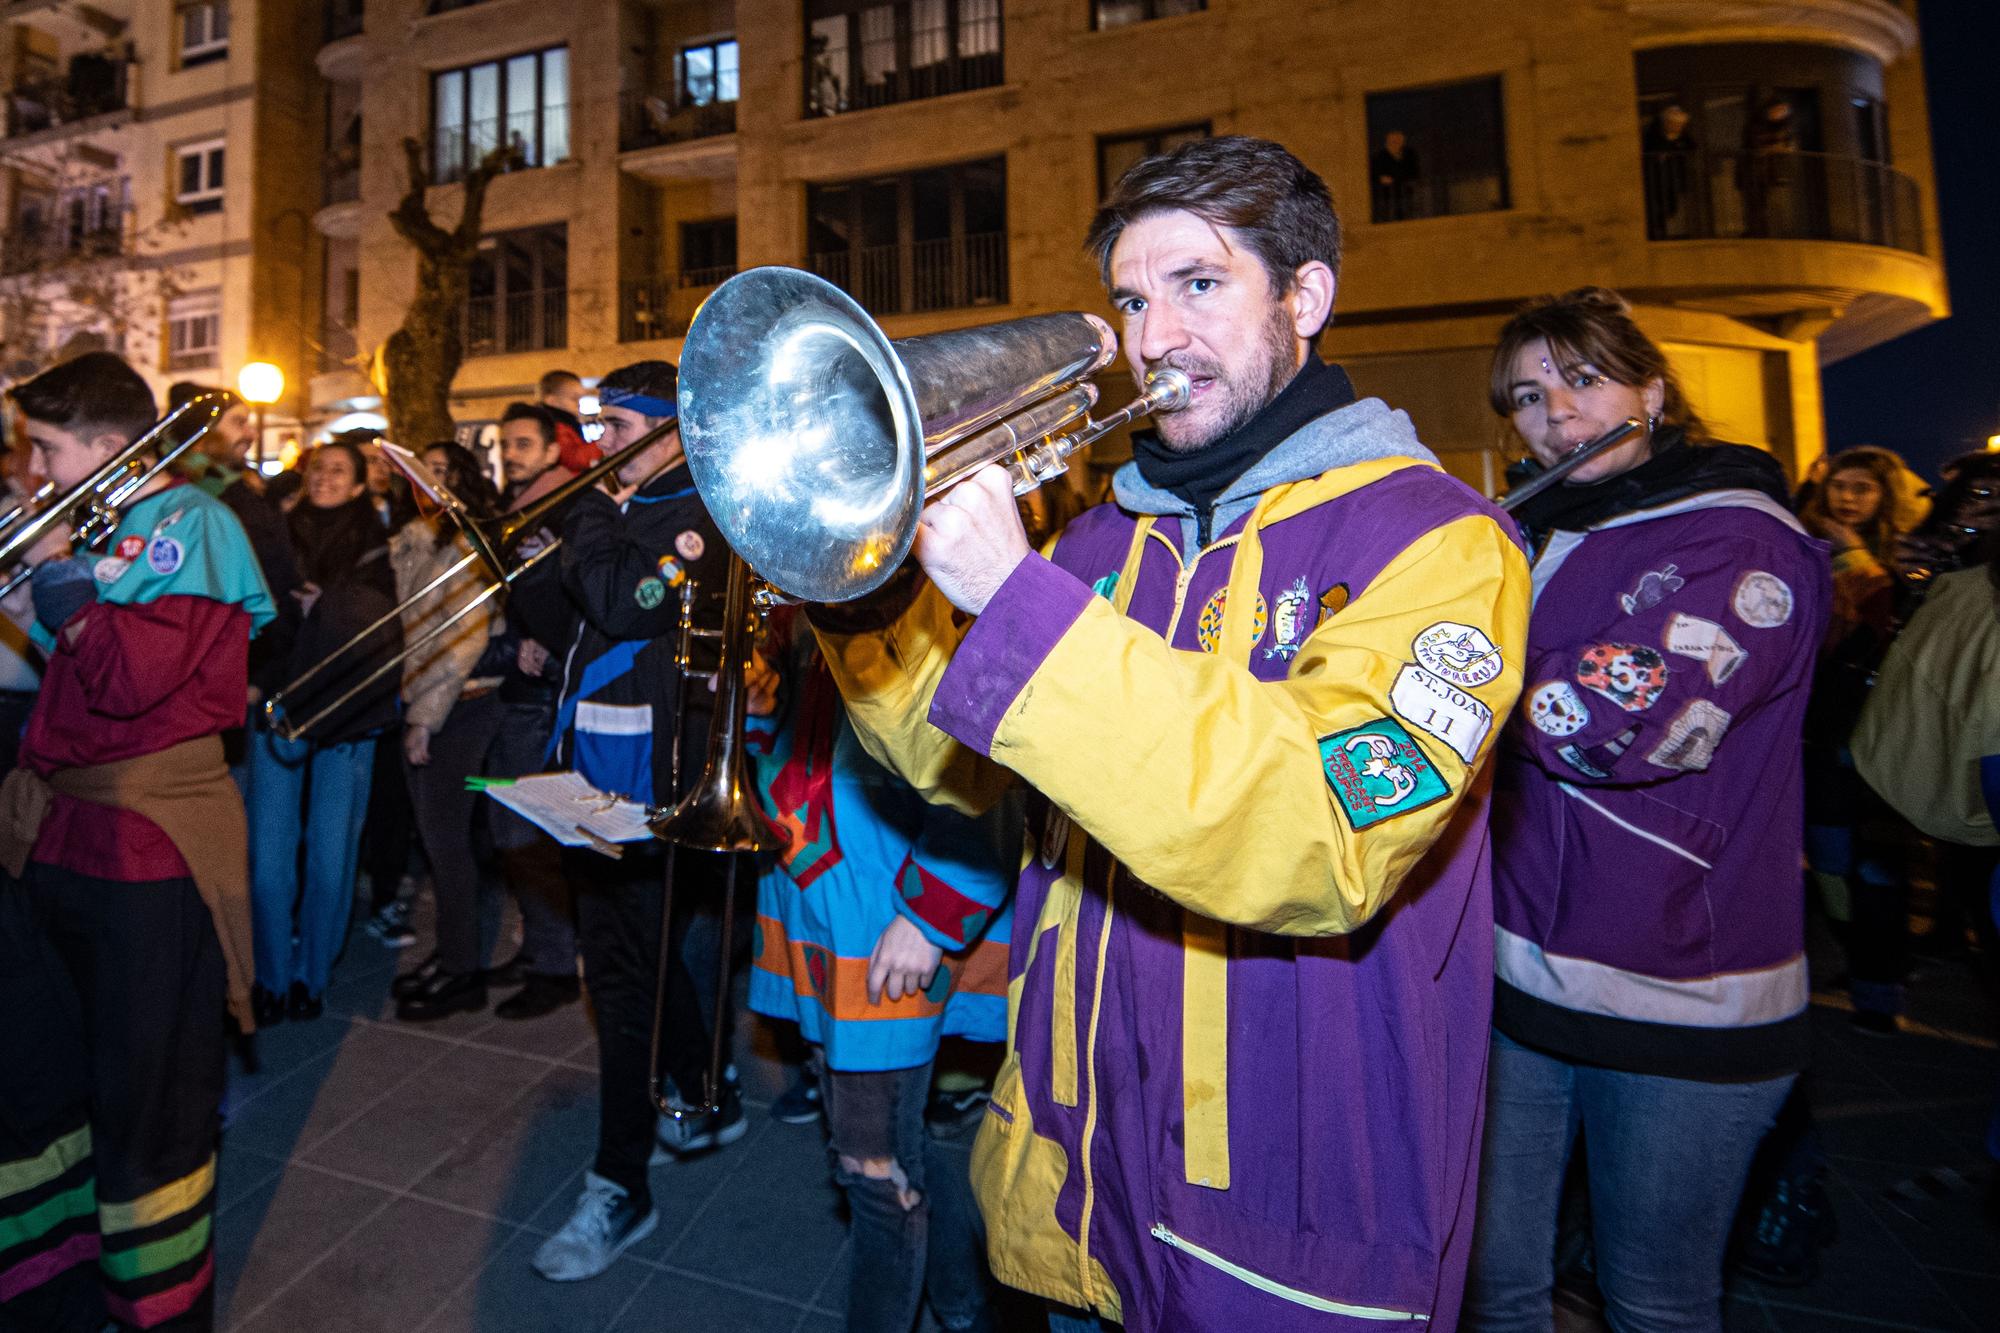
1280	207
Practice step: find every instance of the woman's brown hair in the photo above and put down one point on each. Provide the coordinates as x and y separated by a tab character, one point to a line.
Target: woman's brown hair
1878	534
1594	325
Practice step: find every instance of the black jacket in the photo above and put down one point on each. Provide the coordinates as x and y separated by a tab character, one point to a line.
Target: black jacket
621	572
346	552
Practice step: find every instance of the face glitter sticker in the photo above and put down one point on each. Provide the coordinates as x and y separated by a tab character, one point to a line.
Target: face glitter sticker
1288	620
690	545
1461	654
1556	709
1377	772
130	547
1706	642
1762	600
1208	629
164	556
650	593
1441	709
1691	738
1630	675
1654	587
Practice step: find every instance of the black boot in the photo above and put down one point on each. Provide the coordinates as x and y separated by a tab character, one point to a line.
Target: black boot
266	1008
444	994
409	983
302	1007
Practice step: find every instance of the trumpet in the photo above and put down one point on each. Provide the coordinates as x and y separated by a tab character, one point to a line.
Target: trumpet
492	545
102	496
814	440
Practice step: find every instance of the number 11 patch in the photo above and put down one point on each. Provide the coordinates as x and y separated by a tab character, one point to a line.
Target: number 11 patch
1437	706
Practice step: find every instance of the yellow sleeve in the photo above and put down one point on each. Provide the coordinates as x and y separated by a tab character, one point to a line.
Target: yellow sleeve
1294	806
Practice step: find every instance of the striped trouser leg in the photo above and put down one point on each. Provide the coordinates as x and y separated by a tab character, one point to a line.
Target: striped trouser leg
157	1258
48	1236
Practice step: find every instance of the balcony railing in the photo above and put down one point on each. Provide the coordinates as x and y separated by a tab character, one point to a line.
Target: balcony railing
95	87
542	138
343	19
1702	195
663	307
1439	196
855	79
40	249
648	120
923	275
533	321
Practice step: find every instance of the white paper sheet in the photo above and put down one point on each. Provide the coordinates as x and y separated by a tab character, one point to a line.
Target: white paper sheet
573	812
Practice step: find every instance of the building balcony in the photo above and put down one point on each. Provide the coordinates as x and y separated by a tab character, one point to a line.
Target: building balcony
652	120
95	88
1704	195
664	307
39	250
540	138
531	321
920	276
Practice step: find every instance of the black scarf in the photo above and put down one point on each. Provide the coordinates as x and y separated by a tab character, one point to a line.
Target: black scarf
1202	476
1675	470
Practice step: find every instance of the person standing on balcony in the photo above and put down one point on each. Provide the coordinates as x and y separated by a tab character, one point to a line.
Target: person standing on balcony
1769	171
1397	176
1669	147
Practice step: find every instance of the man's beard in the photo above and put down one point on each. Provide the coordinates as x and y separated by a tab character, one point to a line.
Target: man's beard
1244	400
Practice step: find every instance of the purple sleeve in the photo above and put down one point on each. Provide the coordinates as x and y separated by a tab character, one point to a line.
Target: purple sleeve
1004	648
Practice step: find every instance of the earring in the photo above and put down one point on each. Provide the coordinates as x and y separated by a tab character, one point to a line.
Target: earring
1652	422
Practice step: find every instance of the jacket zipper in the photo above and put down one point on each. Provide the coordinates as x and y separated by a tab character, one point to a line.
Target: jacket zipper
1281	1291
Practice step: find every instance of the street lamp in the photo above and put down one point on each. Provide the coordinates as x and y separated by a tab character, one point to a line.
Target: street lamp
261	384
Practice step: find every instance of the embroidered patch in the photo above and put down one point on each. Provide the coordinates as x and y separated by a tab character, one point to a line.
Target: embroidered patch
1208	629
1572	756
1691	738
1442	709
1106	586
690	545
164	556
1762	600
1377	772
1620	743
129	547
1459	653
671	571
1654	588
1288	621
110	569
1630	675
1055	837
1332	602
1556	709
1706	642
650	592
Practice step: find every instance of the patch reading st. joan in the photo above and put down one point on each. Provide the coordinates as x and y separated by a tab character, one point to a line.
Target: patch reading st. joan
1556	709
1461	654
1762	600
1442	709
1377	772
164	556
1653	588
1630	675
1691	738
1208	629
1706	642
650	593
690	545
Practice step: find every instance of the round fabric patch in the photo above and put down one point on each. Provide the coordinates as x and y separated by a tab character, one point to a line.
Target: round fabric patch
1762	600
164	555
1556	709
671	571
1461	654
129	548
110	569
1208	629
1630	675
819	969
690	545
650	592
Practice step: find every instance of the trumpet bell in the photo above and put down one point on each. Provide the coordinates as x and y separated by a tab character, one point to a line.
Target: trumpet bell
807	430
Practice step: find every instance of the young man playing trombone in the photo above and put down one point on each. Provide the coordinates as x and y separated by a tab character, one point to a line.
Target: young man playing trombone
1253	697
124	909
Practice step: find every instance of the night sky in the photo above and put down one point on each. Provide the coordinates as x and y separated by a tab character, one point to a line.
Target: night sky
1935	393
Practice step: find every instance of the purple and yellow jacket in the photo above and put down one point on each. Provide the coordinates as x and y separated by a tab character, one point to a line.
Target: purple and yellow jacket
1649	813
1248	993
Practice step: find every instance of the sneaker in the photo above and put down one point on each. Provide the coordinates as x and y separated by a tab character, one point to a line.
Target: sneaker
800	1103
391	926
604	1226
951	1107
1794	1225
699	1134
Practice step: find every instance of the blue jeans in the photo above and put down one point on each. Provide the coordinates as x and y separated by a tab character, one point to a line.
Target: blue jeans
1667	1161
320	792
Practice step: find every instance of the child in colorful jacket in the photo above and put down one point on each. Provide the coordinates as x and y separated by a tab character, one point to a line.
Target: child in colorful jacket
881	927
1254	698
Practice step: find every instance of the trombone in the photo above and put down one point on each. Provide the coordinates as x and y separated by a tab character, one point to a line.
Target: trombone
491	544
101	496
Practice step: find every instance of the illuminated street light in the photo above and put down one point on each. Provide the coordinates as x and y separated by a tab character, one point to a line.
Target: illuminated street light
261	384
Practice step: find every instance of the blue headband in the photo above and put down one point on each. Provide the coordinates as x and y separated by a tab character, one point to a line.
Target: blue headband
634	401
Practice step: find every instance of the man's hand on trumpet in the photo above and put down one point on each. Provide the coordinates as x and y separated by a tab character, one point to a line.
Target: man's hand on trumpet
970	538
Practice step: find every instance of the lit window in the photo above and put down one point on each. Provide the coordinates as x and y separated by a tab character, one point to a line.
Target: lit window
198	177
707	73
194	330
523	100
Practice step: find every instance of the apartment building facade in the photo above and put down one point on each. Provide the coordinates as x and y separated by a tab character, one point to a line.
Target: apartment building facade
157	186
939	159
